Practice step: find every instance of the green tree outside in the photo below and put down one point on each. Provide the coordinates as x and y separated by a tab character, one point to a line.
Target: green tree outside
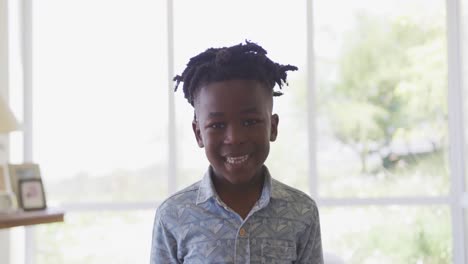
392	86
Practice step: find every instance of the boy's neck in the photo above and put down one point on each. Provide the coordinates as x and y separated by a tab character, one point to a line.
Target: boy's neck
240	197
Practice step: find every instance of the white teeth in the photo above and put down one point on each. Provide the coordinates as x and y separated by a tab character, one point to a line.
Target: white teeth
237	160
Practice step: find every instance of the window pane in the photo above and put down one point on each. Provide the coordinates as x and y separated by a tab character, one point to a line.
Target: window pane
92	238
390	234
382	88
100	99
285	41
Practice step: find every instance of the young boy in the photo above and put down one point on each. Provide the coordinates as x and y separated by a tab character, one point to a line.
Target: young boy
237	213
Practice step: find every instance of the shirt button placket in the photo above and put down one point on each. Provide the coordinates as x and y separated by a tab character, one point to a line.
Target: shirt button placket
243	250
242	232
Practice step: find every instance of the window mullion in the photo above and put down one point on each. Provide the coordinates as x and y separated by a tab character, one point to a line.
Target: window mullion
172	173
311	114
27	59
455	124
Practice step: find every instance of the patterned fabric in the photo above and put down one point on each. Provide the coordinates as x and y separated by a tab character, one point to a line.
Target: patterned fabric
194	226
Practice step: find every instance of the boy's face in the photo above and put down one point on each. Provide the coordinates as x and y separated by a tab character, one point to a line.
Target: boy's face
235	126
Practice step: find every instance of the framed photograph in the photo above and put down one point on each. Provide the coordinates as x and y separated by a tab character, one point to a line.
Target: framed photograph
22	171
32	195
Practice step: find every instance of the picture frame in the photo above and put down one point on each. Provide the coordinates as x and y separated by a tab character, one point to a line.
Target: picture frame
23	171
32	194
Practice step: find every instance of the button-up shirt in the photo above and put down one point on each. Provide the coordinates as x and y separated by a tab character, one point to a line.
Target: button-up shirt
195	226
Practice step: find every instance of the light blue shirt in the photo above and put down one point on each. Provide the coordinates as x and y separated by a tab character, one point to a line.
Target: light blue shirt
195	226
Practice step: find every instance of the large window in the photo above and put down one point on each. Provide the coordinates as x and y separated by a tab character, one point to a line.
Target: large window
100	105
382	98
100	99
365	124
382	129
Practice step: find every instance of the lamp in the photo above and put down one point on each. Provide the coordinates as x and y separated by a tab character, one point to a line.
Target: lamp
8	121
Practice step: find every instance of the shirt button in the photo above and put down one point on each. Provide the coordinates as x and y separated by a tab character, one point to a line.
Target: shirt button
242	232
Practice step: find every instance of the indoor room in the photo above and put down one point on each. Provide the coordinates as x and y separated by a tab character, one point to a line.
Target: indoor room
372	124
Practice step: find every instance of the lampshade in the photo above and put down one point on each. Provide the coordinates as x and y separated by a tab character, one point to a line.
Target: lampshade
7	119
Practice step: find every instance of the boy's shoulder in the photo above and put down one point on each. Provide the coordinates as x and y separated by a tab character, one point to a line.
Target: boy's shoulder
290	194
292	202
183	197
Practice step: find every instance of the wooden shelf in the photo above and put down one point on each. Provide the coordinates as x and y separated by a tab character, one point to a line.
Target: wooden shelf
24	218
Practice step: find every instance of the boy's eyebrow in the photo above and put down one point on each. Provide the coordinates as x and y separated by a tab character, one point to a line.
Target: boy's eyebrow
250	110
215	114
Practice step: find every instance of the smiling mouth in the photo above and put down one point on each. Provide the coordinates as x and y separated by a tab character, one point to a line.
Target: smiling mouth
237	160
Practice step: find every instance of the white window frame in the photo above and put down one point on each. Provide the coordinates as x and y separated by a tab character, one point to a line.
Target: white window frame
456	131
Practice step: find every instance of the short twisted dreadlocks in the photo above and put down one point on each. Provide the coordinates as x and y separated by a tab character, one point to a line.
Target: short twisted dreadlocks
248	62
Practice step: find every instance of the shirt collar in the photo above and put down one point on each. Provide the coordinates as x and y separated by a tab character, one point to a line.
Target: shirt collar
206	188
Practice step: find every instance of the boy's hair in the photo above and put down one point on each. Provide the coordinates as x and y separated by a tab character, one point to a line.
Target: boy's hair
248	62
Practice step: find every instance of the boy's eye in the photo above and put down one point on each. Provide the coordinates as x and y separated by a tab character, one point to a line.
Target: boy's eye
250	122
217	125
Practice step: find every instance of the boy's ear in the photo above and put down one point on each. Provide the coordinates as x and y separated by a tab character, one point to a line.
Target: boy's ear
196	131
274	127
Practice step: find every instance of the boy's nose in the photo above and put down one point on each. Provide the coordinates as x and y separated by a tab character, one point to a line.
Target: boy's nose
234	135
